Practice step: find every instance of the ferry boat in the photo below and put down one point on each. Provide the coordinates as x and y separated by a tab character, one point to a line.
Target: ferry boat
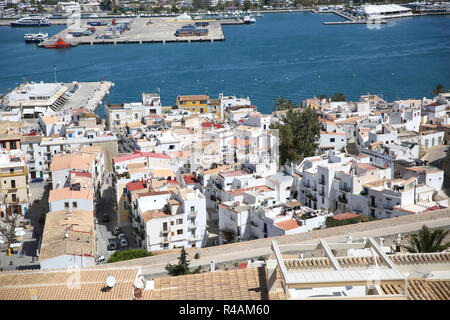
248	20
35	37
31	22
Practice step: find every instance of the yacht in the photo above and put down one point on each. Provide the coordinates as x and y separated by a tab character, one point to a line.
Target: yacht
248	20
35	37
31	22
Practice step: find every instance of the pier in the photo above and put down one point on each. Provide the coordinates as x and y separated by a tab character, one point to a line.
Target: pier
144	30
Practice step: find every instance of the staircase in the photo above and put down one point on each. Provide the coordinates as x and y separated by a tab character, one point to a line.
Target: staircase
59	103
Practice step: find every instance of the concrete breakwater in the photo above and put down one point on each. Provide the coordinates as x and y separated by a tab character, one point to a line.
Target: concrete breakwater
140	30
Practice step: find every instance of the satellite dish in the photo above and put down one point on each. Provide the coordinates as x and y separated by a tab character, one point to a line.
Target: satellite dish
110	281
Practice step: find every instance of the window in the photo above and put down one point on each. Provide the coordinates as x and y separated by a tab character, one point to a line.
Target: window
172	223
331	139
179	221
172	234
180	231
75	204
13	184
192	209
11	170
165	226
117	116
66	205
14	198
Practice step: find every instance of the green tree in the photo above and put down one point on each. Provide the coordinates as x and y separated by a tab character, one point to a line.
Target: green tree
427	241
439	89
128	255
247	5
283	104
299	132
338	96
182	267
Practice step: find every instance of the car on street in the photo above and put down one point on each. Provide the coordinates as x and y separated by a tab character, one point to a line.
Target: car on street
123	242
116	231
37	180
122	236
112	244
105	217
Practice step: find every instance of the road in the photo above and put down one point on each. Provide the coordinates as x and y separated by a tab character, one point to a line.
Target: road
229	254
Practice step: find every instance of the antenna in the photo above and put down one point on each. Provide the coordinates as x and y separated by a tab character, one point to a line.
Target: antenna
110	281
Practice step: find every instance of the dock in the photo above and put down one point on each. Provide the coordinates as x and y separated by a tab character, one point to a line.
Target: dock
88	96
145	30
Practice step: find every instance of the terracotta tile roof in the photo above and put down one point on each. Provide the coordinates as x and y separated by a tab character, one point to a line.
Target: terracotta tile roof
345	216
241	284
234	173
152	214
66	193
421	289
189	179
240	142
127	157
193	97
53	284
209	124
136	185
288	224
80	229
239	192
73	161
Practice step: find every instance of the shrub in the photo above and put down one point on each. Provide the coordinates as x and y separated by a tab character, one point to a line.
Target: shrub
128	255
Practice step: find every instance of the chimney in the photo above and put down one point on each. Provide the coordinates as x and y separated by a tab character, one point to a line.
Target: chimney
349	238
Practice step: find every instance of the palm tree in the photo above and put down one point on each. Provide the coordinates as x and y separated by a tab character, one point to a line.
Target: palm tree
439	89
427	241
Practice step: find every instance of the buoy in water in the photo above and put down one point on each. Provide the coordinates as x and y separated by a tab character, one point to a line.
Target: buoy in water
318	76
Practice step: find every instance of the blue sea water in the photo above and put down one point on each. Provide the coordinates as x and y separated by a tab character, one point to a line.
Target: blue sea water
288	54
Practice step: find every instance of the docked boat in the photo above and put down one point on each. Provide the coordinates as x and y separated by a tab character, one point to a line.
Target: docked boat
31	22
248	20
35	37
60	44
260	14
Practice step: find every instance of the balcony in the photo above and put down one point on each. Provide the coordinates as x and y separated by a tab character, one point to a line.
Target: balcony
192	226
321	193
314	188
388	207
322	182
344	188
306	185
358	210
342	200
166	240
193	213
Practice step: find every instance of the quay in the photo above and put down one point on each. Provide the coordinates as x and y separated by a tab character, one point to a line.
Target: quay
143	30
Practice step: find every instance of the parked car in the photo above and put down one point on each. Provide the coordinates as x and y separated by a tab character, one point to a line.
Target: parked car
37	180
122	236
100	258
123	242
105	217
112	244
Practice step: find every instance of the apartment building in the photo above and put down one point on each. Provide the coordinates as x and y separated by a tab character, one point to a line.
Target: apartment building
169	219
13	182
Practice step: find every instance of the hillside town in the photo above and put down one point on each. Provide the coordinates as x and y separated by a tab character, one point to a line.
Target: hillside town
205	172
